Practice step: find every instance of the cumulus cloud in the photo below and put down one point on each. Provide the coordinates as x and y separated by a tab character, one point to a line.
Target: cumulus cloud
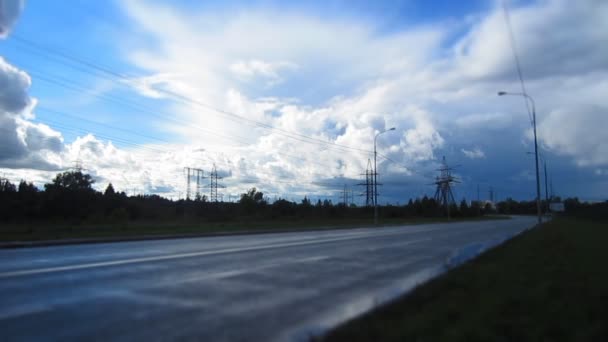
579	132
24	144
14	84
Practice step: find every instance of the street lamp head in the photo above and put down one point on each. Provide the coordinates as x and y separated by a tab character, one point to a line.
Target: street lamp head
391	129
501	93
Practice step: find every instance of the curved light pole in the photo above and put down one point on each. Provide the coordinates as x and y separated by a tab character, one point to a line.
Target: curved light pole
376	176
529	98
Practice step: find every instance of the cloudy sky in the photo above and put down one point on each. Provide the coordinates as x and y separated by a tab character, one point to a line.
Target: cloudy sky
288	97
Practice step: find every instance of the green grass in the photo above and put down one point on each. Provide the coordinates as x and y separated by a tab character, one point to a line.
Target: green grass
548	284
58	231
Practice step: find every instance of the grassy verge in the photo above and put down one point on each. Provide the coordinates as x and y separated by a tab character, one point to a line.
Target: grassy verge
548	284
57	231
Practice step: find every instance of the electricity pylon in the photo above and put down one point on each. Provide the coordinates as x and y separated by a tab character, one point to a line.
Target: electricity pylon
443	194
369	184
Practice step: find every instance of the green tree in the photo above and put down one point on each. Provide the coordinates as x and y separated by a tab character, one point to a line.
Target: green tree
464	207
306	202
252	200
6	186
71	195
252	196
71	181
109	191
27	188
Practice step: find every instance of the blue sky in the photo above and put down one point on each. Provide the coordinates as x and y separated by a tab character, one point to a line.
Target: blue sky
137	90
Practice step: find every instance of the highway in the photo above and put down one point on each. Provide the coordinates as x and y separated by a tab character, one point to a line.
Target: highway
263	287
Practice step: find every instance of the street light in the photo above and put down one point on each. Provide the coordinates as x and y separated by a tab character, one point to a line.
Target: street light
376	176
546	182
528	97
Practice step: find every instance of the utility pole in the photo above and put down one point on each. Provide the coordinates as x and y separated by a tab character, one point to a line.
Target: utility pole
529	98
198	184
376	175
546	187
187	183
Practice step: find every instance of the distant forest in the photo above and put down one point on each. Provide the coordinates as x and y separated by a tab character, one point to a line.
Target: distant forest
70	197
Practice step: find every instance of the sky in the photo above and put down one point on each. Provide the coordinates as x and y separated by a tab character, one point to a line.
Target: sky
287	97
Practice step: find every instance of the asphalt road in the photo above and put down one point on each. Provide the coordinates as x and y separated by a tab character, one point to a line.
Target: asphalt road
264	287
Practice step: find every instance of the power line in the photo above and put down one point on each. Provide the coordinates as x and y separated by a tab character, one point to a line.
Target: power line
516	56
59	124
77	88
238	118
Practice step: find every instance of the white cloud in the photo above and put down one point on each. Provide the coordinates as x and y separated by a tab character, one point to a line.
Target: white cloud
475	153
554	37
579	132
343	80
248	70
23	144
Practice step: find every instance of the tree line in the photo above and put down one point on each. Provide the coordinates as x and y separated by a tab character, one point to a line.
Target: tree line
70	196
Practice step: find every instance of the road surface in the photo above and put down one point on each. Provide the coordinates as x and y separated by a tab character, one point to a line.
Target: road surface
268	287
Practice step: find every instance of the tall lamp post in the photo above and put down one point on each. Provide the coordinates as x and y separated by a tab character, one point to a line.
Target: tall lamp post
376	176
528	97
546	187
546	182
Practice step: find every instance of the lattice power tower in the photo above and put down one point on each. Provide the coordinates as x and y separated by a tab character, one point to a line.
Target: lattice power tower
444	195
369	184
213	195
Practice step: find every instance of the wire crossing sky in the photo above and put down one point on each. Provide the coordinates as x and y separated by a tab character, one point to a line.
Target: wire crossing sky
287	97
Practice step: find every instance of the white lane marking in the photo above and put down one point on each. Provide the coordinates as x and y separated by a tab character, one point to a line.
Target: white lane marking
182	255
313	259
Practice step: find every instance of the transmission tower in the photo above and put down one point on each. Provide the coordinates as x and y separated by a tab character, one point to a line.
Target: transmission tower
348	196
213	196
443	195
369	184
198	175
77	166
